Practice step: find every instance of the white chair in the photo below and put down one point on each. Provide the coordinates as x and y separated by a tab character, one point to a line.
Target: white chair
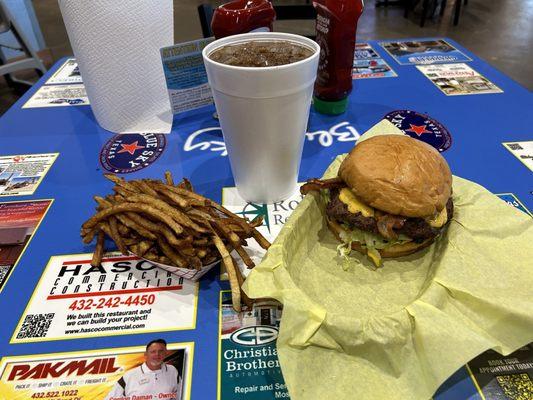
31	60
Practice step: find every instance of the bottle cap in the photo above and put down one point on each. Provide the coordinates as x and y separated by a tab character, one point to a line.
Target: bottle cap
330	107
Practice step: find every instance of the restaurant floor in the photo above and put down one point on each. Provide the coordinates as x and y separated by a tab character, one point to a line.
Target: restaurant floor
499	31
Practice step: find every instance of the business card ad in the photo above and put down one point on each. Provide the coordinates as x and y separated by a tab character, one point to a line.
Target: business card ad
58	96
68	73
248	359
368	64
523	151
458	79
434	51
513	201
21	174
372	68
123	295
498	377
19	221
186	77
155	370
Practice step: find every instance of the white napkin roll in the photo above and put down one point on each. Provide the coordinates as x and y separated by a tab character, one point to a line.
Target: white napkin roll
116	44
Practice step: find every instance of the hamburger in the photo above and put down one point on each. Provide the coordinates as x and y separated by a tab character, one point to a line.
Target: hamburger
391	198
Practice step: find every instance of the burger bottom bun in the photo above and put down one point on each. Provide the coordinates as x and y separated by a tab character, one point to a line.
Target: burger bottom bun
397	250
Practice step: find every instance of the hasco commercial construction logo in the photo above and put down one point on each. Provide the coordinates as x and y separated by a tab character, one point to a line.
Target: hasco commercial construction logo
422	127
254	335
127	153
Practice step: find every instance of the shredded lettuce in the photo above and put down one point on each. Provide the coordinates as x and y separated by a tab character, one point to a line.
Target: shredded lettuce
371	242
344	250
369	239
326	195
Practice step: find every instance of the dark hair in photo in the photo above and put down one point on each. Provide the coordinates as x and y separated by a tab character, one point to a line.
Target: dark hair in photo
161	341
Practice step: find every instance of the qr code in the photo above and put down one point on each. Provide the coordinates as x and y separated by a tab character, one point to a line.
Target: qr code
4	270
515	146
35	325
516	387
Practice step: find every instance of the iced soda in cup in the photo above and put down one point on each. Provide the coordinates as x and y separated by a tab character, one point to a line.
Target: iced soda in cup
262	84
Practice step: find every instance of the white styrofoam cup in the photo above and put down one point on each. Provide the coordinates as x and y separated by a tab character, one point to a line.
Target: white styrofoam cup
263	113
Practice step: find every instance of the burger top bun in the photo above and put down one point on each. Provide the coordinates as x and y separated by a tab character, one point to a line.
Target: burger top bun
399	175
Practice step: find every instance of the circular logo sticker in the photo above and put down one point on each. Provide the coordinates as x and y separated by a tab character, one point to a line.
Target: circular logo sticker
421	127
254	335
131	152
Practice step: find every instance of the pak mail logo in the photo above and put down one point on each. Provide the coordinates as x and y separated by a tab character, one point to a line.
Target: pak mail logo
210	139
69	371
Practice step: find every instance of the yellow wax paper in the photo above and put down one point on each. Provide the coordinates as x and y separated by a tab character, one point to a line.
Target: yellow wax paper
350	331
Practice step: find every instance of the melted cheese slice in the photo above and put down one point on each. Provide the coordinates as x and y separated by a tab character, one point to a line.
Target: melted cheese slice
354	205
439	220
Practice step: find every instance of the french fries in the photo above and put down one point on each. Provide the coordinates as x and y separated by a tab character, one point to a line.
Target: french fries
171	224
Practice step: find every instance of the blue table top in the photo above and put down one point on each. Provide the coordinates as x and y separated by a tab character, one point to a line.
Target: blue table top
478	125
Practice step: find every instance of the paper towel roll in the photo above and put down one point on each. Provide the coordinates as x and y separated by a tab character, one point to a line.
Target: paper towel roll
117	47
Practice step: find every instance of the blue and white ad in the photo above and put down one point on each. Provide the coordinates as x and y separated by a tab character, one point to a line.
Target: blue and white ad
58	96
68	73
424	52
372	68
185	75
368	64
513	201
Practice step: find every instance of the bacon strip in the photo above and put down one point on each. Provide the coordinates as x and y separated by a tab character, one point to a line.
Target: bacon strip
387	223
318	184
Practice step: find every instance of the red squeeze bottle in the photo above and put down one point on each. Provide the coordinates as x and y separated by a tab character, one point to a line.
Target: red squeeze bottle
242	16
336	24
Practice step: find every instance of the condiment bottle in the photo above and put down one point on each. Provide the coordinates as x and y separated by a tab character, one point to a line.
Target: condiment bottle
242	16
336	25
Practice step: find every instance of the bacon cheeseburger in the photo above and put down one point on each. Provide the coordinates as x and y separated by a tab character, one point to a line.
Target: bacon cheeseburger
392	197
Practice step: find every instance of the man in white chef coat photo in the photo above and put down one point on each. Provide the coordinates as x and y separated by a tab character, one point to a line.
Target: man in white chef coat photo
154	377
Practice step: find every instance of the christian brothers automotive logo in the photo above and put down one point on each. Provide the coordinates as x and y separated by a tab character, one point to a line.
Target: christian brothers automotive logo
254	335
127	153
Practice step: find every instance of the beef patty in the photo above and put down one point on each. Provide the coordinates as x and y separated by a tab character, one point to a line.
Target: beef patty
415	228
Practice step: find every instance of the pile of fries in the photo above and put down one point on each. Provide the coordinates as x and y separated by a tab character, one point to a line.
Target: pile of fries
172	225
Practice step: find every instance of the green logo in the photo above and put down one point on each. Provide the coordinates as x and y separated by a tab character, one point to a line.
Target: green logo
252	210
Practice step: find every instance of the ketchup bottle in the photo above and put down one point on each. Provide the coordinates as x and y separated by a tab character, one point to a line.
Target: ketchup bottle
242	16
336	25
